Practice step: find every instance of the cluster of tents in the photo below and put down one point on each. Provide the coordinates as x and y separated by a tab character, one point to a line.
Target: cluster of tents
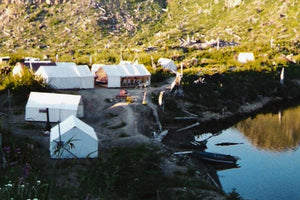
71	137
68	75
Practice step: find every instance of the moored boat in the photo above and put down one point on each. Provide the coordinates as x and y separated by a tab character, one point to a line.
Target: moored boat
215	158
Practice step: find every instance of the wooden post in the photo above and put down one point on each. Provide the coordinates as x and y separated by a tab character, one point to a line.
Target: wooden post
46	110
144	98
280	116
183	152
30	65
181	68
282	76
153	64
271	42
2	156
61	144
160	101
9	102
160	98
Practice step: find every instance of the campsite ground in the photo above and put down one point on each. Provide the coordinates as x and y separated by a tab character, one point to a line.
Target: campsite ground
117	124
120	124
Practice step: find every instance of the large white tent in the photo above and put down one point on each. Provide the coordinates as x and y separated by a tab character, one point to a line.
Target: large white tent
122	74
73	138
60	106
168	64
67	76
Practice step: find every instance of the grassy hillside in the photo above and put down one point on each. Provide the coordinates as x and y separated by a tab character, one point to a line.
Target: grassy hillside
103	29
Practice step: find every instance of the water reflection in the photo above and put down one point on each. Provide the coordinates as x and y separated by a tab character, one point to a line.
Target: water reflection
274	132
270	157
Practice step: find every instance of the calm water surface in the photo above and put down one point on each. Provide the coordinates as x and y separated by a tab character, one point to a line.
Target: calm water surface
270	157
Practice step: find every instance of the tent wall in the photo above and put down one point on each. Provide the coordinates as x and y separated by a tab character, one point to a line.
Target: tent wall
80	111
60	106
55	115
84	145
67	76
70	82
86	82
122	74
114	81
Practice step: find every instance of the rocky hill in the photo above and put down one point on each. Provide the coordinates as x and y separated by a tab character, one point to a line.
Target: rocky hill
32	1
77	29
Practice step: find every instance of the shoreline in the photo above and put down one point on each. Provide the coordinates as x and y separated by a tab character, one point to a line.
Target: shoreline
215	122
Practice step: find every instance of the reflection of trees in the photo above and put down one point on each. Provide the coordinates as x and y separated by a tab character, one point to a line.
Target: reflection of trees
265	130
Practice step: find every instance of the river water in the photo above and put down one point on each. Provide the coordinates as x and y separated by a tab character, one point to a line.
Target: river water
269	156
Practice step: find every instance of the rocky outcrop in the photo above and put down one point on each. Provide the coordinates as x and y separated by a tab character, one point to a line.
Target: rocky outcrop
232	3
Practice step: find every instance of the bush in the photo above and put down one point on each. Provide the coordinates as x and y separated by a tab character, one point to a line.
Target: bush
159	75
20	87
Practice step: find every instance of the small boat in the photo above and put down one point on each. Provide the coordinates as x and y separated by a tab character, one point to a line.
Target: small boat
215	158
227	143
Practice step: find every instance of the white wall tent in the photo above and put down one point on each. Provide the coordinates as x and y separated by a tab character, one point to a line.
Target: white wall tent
67	76
168	64
18	70
60	106
124	74
82	136
86	77
245	57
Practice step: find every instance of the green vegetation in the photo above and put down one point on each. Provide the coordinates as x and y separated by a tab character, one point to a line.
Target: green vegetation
24	190
120	173
21	86
141	30
106	28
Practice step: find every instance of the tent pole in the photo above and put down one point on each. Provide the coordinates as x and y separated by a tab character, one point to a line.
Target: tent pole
59	132
48	126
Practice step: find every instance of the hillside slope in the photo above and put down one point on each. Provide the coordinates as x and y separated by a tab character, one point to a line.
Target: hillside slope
77	30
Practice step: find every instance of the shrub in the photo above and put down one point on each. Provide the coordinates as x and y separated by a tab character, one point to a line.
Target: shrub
20	87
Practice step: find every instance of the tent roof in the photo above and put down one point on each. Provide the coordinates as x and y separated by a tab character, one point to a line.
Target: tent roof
53	100
167	64
35	65
65	70
83	71
70	123
126	70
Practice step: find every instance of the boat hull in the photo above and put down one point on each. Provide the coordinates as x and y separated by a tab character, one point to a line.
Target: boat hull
215	158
